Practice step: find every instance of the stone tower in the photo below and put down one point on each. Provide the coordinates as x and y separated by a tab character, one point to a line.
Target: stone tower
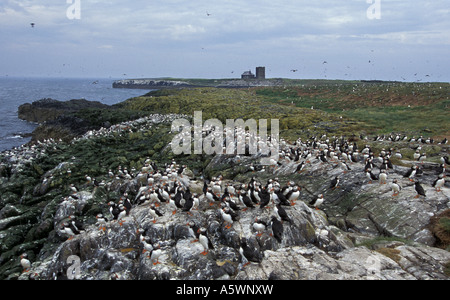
260	72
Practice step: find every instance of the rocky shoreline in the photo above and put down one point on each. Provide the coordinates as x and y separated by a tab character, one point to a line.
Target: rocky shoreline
361	231
164	84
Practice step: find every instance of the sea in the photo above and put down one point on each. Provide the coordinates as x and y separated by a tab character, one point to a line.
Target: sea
16	91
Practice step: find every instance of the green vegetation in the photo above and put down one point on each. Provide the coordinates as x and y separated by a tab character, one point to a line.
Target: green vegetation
411	108
234	104
440	226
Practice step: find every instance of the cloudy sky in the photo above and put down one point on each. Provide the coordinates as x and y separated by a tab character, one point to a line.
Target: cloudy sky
346	39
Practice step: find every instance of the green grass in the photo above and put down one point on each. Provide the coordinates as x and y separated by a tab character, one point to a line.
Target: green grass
411	108
244	104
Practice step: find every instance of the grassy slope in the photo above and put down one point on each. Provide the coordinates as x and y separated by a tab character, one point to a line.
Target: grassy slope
413	108
241	103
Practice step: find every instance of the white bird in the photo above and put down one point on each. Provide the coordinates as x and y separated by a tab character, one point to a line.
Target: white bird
25	263
155	254
383	177
395	187
439	183
259	226
227	218
317	202
173	206
101	222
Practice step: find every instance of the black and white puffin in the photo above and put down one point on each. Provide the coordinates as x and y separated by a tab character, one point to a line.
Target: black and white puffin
155	254
251	254
154	212
127	205
334	183
277	229
278	195
293	195
101	221
204	241
188	205
383	176
114	210
300	167
395	188
370	175
245	200
260	226
211	196
194	231
228	216
317	202
439	183
419	189
264	195
25	262
281	212
411	173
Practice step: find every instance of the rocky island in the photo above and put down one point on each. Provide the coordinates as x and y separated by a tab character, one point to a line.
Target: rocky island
94	196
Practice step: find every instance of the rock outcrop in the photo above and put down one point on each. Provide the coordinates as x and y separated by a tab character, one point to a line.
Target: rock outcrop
49	109
361	231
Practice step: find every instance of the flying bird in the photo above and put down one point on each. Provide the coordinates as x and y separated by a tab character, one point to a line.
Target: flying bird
32	25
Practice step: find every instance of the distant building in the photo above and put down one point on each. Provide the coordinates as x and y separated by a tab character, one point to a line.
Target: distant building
260	74
247	75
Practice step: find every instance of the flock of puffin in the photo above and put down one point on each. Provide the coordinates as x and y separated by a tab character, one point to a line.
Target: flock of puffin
169	186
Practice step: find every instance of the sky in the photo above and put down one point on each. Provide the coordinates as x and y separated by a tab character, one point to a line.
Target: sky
401	40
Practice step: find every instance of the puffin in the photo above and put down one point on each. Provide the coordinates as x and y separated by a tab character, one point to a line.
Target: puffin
265	197
204	241
440	169
114	210
370	175
439	183
188	205
194	231
75	224
155	253
422	158
395	187
300	167
227	216
419	189
249	253
277	229
145	241
317	202
101	222
411	173
211	196
293	195
278	195
65	228
25	262
282	214
154	212
173	206
334	183
259	226
383	177
122	214
245	200
127	205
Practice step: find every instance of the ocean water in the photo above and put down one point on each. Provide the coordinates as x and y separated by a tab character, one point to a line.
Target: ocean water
17	91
